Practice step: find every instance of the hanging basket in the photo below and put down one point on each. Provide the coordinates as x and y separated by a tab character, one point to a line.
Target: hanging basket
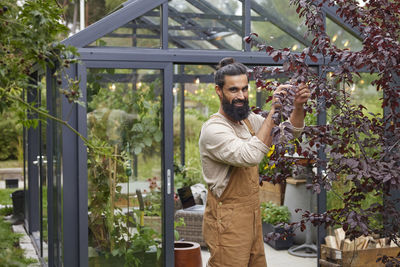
187	254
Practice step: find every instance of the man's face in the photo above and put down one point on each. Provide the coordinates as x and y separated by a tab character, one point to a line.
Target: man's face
234	97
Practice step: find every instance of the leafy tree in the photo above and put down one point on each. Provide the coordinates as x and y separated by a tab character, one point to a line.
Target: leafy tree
28	36
10	137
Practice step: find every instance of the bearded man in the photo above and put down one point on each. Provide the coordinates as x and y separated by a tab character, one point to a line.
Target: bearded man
232	144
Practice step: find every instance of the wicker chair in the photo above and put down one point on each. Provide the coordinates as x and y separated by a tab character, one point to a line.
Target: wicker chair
193	229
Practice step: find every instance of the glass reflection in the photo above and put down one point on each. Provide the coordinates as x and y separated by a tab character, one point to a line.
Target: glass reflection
341	38
278	25
205	24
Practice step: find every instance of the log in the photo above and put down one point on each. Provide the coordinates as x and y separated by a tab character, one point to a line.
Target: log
340	235
348	245
330	241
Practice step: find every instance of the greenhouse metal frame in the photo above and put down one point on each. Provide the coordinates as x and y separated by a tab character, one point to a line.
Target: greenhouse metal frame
66	153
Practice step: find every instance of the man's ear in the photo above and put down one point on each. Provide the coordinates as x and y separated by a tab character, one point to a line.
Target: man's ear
218	90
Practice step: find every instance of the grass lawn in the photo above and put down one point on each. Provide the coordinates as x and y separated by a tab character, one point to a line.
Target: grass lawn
11	164
5	198
10	253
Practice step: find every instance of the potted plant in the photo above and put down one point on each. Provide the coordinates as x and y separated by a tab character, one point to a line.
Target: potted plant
186	253
273	217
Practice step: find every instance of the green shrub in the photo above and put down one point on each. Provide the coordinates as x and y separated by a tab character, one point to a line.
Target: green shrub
274	214
5	198
10	137
6	211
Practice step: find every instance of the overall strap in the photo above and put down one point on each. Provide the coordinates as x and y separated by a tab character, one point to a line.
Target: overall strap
247	122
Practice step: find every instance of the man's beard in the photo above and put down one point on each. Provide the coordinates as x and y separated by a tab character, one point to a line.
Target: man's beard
234	112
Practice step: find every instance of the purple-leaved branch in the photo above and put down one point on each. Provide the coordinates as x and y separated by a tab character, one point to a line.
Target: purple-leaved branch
362	148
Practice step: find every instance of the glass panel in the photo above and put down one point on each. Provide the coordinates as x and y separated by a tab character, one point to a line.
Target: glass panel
200	102
26	187
57	183
124	113
361	93
141	32
205	24
42	162
267	21
342	38
40	236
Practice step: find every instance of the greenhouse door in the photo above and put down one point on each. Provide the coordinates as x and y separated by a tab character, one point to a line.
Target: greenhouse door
129	110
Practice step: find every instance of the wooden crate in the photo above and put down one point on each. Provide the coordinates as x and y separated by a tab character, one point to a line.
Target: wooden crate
331	257
271	192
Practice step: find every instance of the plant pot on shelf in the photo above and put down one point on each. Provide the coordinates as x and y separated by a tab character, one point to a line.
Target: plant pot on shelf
276	244
187	254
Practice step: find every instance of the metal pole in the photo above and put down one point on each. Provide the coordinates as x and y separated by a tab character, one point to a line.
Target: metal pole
321	197
246	6
168	169
82	14
182	134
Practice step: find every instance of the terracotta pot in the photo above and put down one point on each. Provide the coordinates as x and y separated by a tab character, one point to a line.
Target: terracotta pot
187	254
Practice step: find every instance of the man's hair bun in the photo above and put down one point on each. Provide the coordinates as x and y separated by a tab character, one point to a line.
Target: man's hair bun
225	61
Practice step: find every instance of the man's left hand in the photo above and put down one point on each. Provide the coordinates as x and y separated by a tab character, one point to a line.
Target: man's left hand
302	95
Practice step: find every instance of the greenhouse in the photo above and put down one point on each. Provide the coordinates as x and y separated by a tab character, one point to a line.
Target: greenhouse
146	74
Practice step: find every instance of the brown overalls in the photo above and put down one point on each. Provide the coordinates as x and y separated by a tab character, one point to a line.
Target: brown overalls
232	223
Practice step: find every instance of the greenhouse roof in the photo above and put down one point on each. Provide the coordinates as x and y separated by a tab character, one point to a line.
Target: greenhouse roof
204	25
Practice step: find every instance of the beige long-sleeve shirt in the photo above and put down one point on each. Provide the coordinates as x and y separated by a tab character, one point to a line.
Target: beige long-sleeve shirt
224	144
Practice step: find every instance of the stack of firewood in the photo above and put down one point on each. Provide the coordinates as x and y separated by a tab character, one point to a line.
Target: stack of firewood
339	241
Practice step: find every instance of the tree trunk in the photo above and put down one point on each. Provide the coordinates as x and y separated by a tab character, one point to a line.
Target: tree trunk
75	17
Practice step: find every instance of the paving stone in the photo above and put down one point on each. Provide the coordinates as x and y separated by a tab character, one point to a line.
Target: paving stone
27	246
25	243
24	239
18	229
